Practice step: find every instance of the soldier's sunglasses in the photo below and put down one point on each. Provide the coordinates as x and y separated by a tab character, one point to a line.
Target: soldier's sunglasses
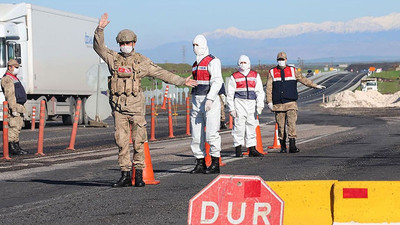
125	43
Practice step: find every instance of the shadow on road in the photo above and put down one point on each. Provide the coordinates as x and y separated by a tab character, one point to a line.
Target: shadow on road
73	182
171	171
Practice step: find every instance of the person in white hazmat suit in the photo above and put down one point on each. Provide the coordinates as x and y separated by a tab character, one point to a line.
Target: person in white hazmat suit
245	96
206	107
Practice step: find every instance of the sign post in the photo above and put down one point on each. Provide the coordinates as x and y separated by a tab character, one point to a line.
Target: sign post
231	199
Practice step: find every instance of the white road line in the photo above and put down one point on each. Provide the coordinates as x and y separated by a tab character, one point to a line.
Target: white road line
89	152
65	137
227	159
27	172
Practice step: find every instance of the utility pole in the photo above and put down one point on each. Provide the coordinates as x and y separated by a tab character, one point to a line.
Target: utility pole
300	63
183	54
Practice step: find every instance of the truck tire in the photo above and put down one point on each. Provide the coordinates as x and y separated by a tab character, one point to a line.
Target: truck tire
46	114
80	119
85	117
69	119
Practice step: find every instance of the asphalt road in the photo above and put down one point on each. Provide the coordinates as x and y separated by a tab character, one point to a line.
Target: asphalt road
73	187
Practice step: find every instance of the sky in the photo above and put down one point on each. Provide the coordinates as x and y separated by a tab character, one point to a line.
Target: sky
158	22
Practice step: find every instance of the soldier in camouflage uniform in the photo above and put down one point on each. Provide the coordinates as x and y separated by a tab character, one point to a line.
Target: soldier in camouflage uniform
127	101
15	95
281	97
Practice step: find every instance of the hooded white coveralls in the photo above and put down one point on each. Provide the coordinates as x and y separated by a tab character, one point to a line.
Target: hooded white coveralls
245	119
200	118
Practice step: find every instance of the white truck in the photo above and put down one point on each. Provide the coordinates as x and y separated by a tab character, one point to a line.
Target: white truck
369	84
55	51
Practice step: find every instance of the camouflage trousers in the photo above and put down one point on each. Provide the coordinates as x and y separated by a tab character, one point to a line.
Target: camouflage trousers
286	119
124	124
15	126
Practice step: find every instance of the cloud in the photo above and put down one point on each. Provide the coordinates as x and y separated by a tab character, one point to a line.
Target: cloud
363	24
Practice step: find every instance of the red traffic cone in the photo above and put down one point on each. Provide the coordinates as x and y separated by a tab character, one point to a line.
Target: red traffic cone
276	144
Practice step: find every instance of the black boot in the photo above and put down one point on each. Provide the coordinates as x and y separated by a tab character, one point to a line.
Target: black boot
254	153
14	150
214	167
283	146
238	151
125	180
292	146
200	166
222	125
20	150
139	178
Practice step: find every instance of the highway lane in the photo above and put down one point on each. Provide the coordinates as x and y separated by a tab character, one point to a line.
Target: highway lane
74	187
334	85
333	145
57	135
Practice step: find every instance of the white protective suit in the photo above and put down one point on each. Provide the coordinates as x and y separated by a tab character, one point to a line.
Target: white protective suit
199	117
245	109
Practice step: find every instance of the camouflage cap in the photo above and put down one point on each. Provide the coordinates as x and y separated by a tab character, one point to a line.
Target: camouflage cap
281	55
13	62
126	36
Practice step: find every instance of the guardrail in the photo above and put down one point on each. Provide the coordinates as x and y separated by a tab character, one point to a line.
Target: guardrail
318	78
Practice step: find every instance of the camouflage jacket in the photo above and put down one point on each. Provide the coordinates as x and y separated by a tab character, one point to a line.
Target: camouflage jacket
142	66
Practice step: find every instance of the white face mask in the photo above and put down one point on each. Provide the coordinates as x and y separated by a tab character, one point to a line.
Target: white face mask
199	50
126	49
244	66
281	63
15	72
244	63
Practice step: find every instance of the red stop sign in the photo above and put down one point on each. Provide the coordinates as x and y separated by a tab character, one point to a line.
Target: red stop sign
231	199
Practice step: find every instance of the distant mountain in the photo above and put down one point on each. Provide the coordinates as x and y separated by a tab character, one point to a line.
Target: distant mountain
363	24
357	40
311	47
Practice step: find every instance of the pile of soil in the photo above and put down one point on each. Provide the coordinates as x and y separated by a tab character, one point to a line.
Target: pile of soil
364	99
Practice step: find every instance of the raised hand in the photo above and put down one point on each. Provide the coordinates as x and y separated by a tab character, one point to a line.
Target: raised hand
103	21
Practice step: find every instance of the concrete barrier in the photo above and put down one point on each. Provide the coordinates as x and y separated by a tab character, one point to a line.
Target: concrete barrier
366	202
306	202
327	202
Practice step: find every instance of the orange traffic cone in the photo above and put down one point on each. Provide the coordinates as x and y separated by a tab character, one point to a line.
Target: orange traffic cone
148	174
259	146
276	144
208	157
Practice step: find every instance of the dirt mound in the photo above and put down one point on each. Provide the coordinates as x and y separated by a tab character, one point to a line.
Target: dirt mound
365	99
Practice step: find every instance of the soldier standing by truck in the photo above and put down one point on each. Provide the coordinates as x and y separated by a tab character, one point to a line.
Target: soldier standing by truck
127	68
15	95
